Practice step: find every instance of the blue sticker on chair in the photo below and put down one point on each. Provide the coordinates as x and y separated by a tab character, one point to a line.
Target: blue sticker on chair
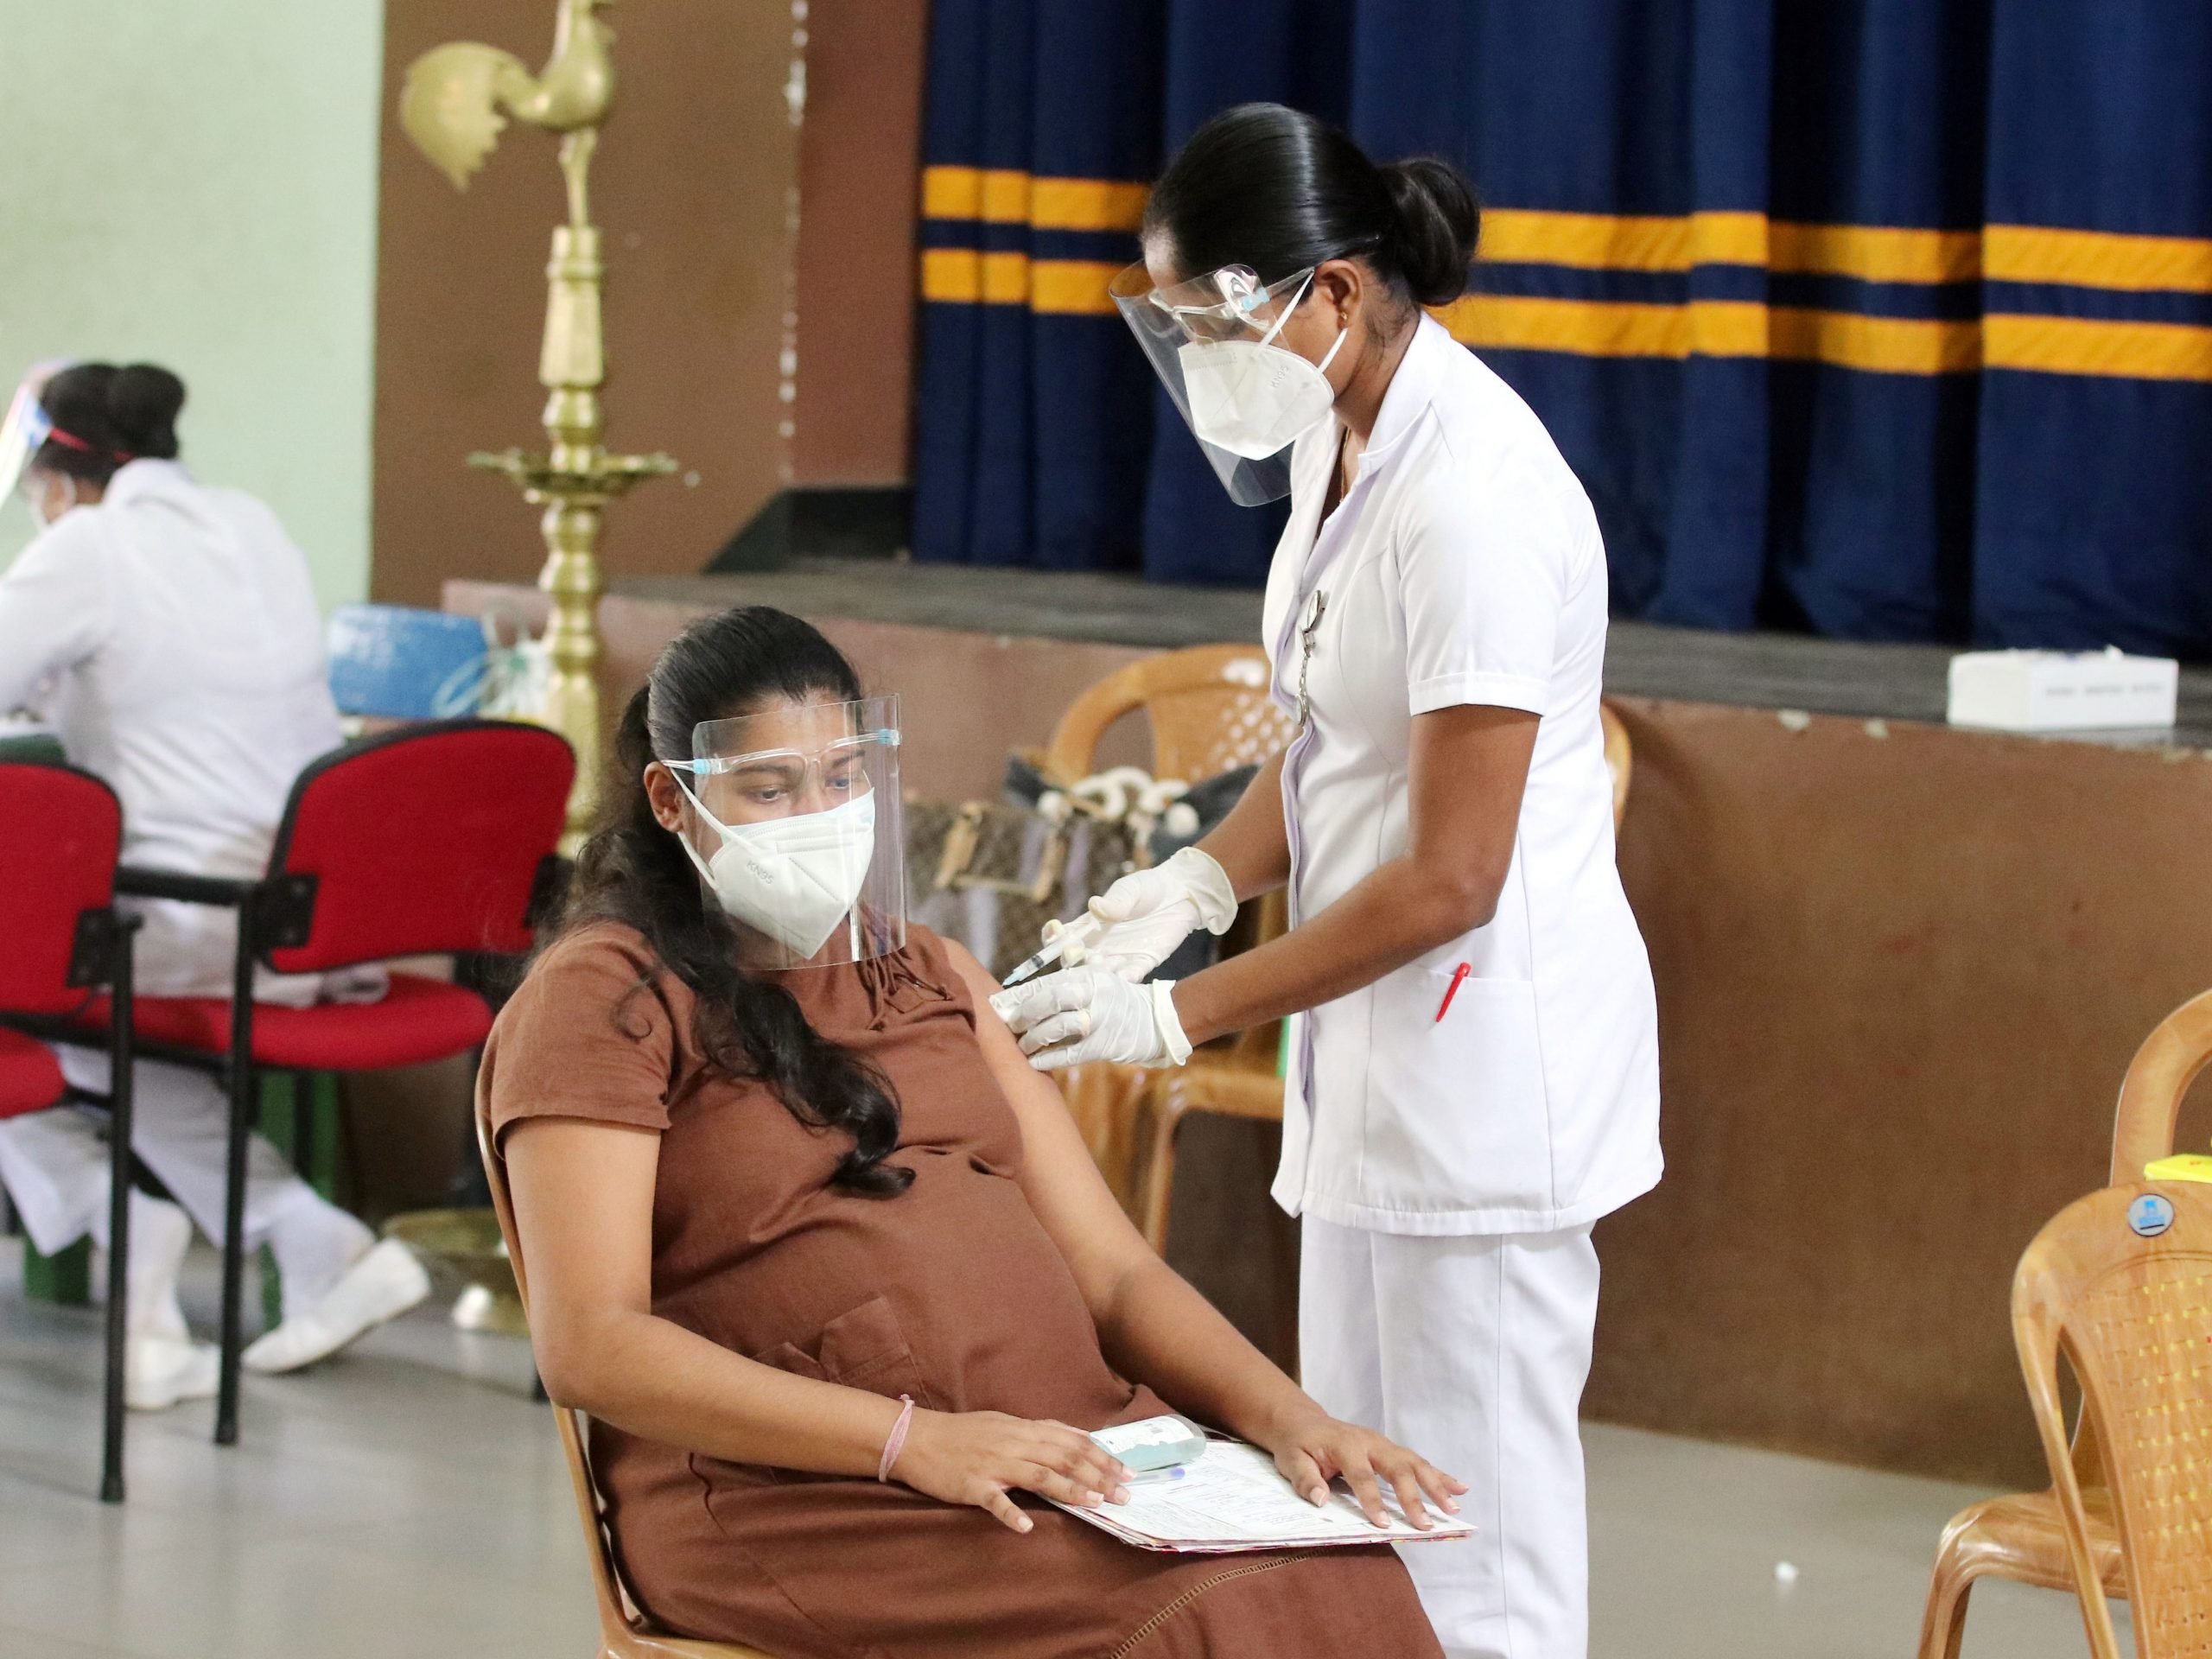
2150	1215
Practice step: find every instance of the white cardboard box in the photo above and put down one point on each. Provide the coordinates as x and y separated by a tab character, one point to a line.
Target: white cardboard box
2060	690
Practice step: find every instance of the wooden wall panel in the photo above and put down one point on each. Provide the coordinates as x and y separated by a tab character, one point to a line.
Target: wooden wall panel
691	187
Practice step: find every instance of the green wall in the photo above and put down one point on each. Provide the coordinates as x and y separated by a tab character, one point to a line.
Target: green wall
193	183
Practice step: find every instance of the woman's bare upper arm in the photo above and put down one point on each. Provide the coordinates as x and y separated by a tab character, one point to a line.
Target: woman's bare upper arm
1063	1186
584	1203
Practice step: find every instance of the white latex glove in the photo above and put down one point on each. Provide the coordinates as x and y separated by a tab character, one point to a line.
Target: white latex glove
1148	913
1081	1014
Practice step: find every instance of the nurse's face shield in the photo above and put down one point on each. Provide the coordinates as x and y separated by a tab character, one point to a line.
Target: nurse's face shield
25	426
1231	304
806	852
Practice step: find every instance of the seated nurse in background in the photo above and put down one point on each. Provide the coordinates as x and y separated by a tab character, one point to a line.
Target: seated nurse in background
168	631
775	1166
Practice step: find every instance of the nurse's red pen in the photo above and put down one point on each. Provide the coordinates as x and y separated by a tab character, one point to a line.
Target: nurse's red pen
1459	978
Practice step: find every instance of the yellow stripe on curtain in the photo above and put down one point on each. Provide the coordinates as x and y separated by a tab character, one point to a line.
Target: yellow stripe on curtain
1053	286
997	197
1874	253
2033	254
2145	350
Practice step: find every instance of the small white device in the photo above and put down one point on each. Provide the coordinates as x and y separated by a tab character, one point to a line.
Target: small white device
2063	691
1153	1443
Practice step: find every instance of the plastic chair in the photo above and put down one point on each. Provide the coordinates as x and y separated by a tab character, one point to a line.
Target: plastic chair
1209	707
431	840
60	940
2022	1538
2127	1296
1243	1077
624	1632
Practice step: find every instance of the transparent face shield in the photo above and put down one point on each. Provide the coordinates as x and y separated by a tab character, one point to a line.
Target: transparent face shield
25	426
1214	341
797	833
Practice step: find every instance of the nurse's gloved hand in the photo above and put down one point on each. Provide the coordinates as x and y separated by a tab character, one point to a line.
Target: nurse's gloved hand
1148	913
1081	1014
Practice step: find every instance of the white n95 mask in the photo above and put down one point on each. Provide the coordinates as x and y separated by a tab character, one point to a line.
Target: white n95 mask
792	879
1253	397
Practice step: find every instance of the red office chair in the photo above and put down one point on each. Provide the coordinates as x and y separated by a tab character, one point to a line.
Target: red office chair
432	841
61	939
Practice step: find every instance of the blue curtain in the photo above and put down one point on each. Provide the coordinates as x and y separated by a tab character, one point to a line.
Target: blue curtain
1889	320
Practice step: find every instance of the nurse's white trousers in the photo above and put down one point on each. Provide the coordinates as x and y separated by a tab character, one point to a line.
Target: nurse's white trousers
1473	1350
55	1167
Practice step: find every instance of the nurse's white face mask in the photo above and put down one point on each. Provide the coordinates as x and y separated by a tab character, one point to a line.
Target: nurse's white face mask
794	878
1254	398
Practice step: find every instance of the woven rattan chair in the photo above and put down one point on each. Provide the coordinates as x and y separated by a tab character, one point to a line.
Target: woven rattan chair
2022	1538
2121	1282
623	1630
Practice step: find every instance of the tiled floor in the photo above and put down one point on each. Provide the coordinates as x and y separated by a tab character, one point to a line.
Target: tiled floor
409	1499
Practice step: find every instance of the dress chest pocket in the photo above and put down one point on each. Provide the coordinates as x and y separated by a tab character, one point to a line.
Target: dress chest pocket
1458	1112
863	1348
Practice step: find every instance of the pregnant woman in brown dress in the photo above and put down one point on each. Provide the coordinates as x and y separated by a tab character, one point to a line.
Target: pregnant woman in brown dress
763	1203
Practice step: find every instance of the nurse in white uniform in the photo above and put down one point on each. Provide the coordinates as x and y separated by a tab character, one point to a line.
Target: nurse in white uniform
1473	1074
168	631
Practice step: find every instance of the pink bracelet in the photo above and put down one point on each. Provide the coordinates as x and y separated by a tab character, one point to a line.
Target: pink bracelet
897	1443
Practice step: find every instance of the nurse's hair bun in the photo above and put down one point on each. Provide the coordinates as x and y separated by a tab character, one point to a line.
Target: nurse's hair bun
1436	221
143	401
115	415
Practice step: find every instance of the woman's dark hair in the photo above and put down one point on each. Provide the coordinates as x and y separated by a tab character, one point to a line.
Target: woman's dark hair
104	416
1281	191
634	871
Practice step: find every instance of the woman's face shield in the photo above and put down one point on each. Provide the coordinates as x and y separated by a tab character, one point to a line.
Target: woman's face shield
1230	308
798	831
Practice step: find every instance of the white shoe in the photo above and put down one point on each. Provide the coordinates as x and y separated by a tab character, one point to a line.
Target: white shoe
160	1371
383	1284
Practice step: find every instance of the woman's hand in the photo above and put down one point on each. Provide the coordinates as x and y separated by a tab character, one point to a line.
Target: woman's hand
1317	1449
977	1457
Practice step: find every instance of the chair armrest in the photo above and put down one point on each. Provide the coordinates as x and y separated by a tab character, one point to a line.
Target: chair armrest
225	891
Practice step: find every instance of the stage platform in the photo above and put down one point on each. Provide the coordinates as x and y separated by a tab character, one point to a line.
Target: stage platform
1760	670
1902	969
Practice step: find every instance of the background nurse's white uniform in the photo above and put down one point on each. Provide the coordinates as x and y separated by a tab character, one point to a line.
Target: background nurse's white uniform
1448	1170
171	635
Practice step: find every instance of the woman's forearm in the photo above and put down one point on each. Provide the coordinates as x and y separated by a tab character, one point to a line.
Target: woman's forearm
653	1378
1157	1327
1251	845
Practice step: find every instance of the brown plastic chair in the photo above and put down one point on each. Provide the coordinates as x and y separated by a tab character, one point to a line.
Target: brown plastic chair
2133	1317
1240	1078
623	1631
2022	1538
1209	707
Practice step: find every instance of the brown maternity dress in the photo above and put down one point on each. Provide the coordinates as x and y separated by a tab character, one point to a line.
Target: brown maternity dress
952	1292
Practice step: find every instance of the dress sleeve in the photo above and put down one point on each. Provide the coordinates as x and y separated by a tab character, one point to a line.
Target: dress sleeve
589	1035
1482	573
